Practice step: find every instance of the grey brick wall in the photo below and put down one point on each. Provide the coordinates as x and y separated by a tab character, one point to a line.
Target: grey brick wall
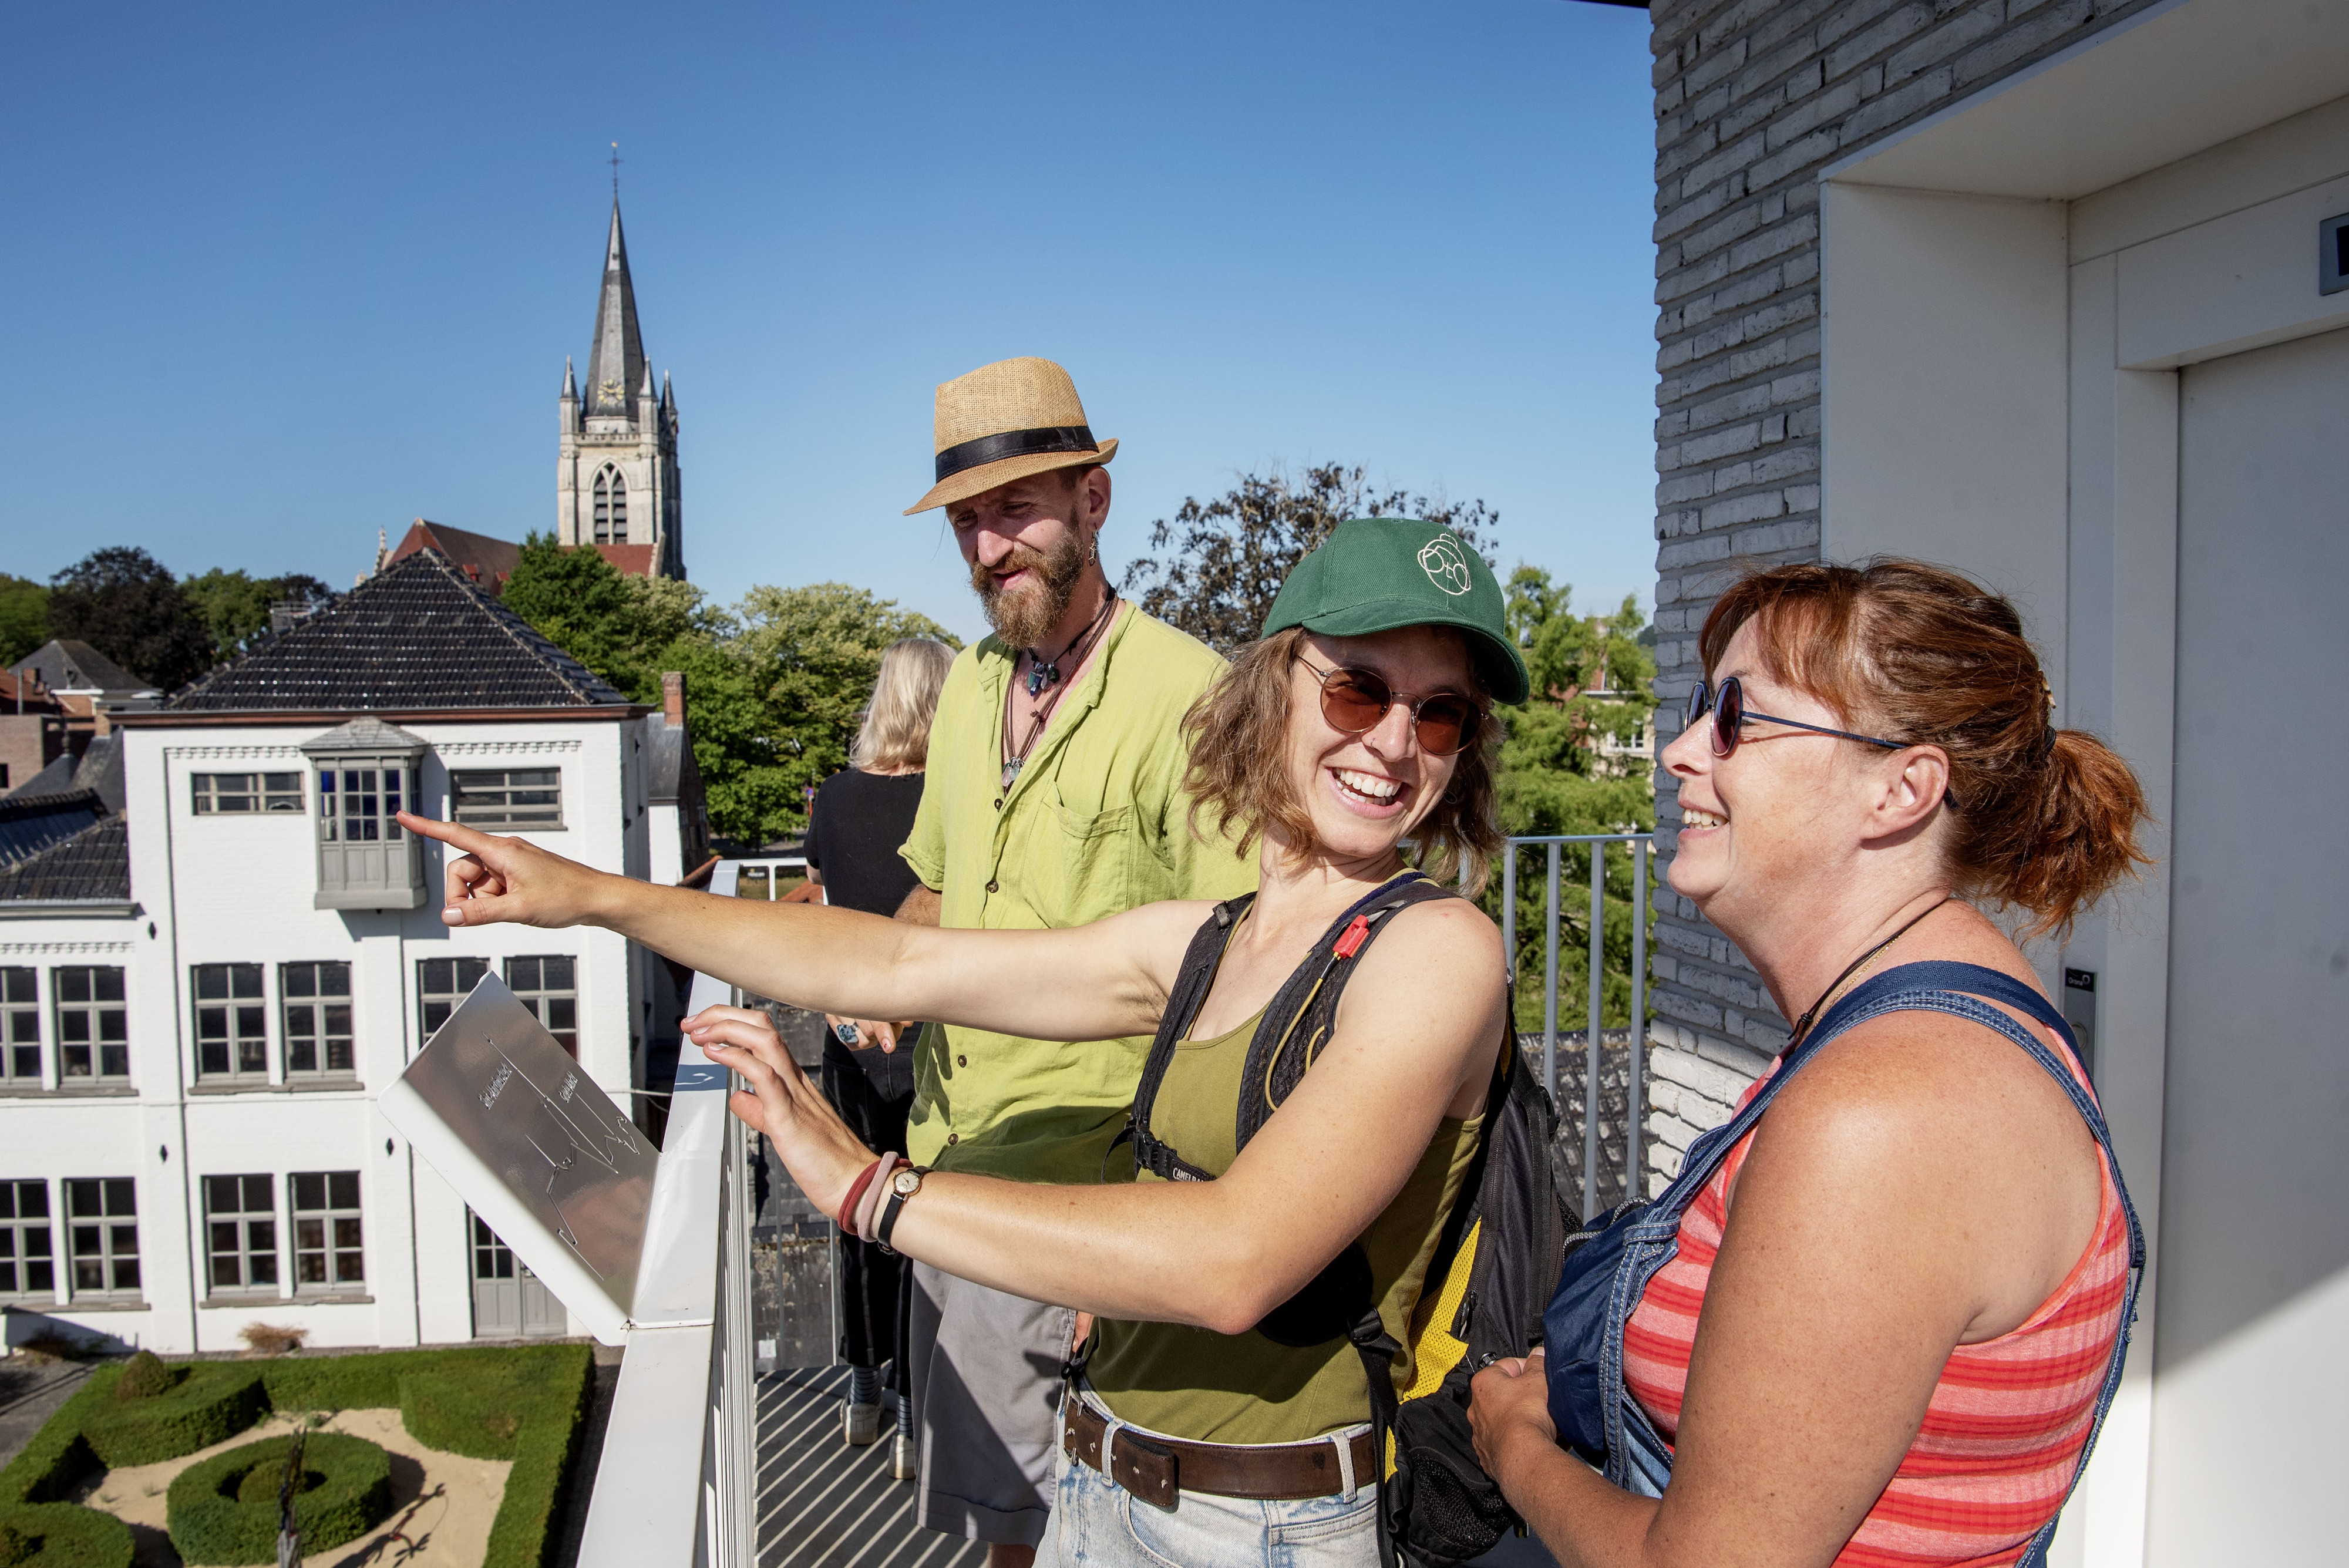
1752	98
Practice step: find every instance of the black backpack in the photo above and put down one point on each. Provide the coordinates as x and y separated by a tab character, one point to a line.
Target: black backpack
1487	1282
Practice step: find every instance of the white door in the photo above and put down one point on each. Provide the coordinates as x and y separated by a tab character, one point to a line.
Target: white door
509	1301
2251	1348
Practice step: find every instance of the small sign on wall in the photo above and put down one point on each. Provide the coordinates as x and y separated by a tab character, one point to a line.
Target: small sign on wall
2080	1012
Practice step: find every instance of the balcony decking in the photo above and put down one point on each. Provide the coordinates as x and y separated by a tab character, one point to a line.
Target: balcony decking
823	1504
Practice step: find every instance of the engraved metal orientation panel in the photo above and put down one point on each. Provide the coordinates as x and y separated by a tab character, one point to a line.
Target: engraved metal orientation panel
540	1153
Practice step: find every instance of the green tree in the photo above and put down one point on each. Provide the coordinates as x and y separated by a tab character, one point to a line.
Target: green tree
234	605
23	618
812	654
773	686
1222	562
127	605
1590	684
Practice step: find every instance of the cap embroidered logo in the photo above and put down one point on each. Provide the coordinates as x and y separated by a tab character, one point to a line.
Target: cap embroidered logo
1445	562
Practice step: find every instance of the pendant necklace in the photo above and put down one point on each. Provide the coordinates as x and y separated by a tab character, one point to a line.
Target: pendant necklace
1859	966
1044	675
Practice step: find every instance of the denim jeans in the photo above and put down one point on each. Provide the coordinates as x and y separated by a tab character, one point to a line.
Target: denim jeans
1097	1524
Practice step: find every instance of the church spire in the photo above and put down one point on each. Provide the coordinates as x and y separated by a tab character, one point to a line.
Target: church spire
616	364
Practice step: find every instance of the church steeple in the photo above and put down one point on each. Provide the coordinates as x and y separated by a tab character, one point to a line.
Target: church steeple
616	364
617	485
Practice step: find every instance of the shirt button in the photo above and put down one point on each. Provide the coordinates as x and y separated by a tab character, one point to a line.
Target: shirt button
991	887
954	1137
998	803
962	1060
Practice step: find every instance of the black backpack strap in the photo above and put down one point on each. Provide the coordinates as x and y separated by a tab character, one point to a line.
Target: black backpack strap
1191	982
1297	1021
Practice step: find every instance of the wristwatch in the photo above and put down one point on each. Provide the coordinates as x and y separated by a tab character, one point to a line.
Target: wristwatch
901	1187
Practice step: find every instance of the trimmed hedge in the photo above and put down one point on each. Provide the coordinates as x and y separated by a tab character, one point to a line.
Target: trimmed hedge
529	1401
61	1535
523	1404
217	1517
213	1403
57	1460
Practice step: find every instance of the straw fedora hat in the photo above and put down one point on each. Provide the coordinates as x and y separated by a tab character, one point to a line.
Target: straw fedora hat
1005	422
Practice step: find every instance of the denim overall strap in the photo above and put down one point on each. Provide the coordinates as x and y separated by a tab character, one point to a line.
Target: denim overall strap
1637	1458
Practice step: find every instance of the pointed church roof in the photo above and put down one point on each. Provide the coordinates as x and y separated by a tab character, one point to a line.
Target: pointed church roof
616	364
418	636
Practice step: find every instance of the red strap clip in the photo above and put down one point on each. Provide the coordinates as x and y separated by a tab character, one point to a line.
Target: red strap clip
1350	941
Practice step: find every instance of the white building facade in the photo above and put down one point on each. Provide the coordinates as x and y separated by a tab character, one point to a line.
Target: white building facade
195	1147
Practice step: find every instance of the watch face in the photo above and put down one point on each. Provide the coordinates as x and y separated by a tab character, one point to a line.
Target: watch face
907	1182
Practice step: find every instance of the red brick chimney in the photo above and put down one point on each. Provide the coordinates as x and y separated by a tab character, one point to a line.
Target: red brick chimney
673	697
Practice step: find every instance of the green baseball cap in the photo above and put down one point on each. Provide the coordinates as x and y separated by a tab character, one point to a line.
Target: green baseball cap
1375	574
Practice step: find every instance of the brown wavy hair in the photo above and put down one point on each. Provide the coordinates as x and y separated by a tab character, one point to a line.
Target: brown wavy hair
2046	819
1238	774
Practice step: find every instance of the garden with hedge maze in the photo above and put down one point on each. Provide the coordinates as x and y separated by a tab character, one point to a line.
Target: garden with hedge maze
225	1510
520	1404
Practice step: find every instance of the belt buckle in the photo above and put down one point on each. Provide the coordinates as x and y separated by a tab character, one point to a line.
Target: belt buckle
1149	1471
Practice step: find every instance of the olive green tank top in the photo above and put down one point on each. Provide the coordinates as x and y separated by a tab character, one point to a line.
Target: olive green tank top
1211	1387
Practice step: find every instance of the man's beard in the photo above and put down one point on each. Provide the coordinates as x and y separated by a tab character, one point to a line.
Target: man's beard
1023	614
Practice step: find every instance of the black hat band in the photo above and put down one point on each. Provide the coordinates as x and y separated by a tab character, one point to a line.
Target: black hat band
1014	443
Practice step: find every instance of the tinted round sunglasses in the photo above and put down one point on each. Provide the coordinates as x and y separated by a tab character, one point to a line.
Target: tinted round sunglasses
1727	705
1354	701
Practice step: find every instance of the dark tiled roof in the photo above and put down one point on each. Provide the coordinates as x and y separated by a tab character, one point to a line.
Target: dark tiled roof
92	865
56	778
416	636
65	664
30	824
101	770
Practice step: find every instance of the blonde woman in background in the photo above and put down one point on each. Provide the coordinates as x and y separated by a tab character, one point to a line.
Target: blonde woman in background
860	816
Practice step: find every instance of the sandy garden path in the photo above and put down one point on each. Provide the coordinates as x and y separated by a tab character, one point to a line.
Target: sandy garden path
442	1503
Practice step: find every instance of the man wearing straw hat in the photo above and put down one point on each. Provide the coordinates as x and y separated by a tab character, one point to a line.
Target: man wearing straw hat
1053	799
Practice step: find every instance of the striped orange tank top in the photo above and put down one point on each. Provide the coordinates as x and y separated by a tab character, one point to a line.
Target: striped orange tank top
2003	1432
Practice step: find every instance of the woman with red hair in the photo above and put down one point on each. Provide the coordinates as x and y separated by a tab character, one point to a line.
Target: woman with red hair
1880	1323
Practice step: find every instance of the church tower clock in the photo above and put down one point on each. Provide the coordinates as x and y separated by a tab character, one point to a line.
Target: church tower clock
616	481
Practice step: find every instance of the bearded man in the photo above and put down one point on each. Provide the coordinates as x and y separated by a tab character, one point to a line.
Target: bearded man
1052	798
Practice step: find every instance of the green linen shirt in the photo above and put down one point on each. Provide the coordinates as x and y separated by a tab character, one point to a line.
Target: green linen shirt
1097	822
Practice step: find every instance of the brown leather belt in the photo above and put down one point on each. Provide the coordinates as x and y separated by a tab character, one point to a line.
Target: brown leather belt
1156	1469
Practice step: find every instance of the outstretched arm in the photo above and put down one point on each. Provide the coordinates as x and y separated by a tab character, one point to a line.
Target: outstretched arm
1109	979
1219	1254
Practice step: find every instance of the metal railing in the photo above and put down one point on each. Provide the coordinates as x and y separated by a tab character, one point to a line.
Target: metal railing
677	1479
1594	1040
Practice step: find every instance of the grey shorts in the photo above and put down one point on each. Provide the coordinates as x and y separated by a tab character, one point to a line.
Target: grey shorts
985	1386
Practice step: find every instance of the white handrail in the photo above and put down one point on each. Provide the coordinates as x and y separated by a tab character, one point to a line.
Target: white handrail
677	1480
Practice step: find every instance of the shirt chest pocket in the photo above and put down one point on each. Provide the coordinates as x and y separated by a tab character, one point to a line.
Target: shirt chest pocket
1082	868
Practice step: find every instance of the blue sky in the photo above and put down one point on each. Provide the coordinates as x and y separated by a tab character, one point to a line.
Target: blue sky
277	277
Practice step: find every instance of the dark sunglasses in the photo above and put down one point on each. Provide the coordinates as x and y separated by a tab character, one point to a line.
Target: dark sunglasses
1730	713
1354	701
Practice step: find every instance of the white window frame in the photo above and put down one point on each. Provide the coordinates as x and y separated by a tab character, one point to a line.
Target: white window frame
235	1072
539	997
244	1250
107	1252
321	1005
277	794
430	999
19	1228
95	1009
330	1214
504	815
18	1014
